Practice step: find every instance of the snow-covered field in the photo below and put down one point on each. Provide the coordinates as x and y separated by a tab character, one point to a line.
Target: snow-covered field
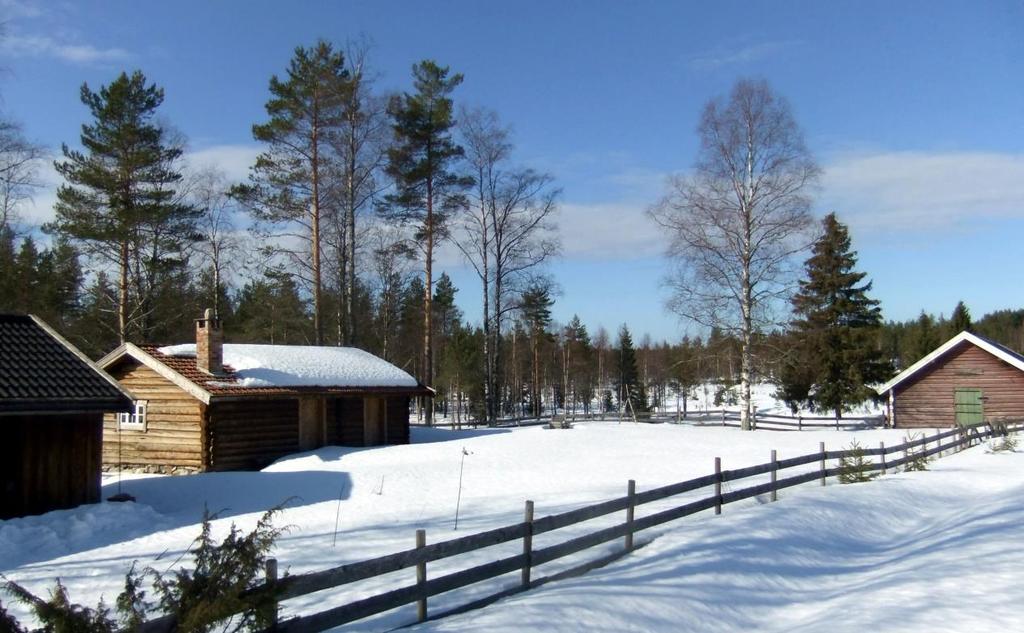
880	547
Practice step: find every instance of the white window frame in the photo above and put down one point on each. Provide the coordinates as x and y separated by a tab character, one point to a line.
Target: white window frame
134	421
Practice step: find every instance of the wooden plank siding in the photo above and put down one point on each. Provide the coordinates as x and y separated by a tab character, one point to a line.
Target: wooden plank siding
250	434
173	439
927	400
49	462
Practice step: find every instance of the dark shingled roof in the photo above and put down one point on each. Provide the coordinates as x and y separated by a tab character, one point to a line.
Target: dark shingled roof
39	372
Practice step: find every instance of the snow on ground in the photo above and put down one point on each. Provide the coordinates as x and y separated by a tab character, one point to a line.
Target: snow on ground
925	551
380	496
302	366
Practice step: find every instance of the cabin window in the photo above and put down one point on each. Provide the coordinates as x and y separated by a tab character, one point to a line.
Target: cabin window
134	421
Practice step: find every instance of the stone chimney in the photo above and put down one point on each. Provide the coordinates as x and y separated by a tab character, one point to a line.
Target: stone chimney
209	344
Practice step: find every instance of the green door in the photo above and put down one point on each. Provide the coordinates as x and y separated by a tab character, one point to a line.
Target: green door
968	406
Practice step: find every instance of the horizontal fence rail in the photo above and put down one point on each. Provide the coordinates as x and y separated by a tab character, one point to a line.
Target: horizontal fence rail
714	417
530	558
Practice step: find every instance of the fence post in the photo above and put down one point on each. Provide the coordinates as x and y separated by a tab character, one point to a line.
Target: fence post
421	578
881	447
528	543
630	513
800	422
775	494
718	485
822	445
270	568
938	444
723	416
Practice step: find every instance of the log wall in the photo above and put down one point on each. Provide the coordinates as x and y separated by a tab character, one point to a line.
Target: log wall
250	434
49	462
173	439
928	400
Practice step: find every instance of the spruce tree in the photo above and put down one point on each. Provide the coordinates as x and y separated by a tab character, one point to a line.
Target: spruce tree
120	199
960	321
427	189
838	324
632	393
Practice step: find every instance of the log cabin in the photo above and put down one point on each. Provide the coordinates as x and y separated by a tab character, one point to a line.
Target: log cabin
211	406
967	381
52	402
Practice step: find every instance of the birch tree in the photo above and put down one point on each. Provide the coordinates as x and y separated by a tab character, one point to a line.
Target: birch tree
361	145
19	172
737	220
506	233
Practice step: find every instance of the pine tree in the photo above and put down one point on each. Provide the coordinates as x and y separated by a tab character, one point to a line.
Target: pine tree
535	308
427	190
960	321
120	199
837	323
290	188
631	391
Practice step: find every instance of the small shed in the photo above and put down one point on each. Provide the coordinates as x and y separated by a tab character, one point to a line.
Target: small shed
52	402
969	380
211	406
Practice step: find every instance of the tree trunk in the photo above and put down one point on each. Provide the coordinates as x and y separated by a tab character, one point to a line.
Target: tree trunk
350	239
318	326
122	295
428	295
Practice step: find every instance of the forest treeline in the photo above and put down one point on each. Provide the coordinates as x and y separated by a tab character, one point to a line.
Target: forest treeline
332	240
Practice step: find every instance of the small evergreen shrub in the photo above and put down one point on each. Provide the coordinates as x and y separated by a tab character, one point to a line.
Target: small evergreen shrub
916	459
855	467
212	594
1004	444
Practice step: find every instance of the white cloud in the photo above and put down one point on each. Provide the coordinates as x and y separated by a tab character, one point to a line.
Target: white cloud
729	56
614	230
924	190
233	160
15	45
16	9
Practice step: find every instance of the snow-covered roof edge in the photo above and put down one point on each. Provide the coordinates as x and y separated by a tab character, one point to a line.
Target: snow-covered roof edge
997	350
139	354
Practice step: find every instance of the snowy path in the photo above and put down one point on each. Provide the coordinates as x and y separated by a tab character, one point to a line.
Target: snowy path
929	551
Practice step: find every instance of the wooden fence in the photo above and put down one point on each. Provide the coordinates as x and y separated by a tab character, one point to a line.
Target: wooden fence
530	558
716	417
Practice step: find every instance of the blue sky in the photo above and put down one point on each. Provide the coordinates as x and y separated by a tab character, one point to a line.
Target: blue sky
915	111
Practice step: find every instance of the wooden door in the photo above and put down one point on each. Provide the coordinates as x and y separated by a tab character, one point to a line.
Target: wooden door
969	407
375	431
311	423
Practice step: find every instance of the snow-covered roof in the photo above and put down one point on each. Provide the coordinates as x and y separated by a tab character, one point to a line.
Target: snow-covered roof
302	366
997	350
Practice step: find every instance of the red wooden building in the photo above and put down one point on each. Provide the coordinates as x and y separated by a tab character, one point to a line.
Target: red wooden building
967	381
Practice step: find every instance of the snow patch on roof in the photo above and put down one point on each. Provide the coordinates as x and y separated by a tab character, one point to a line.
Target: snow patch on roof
303	366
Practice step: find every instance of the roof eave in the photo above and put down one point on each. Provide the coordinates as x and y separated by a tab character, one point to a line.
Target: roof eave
942	350
139	354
